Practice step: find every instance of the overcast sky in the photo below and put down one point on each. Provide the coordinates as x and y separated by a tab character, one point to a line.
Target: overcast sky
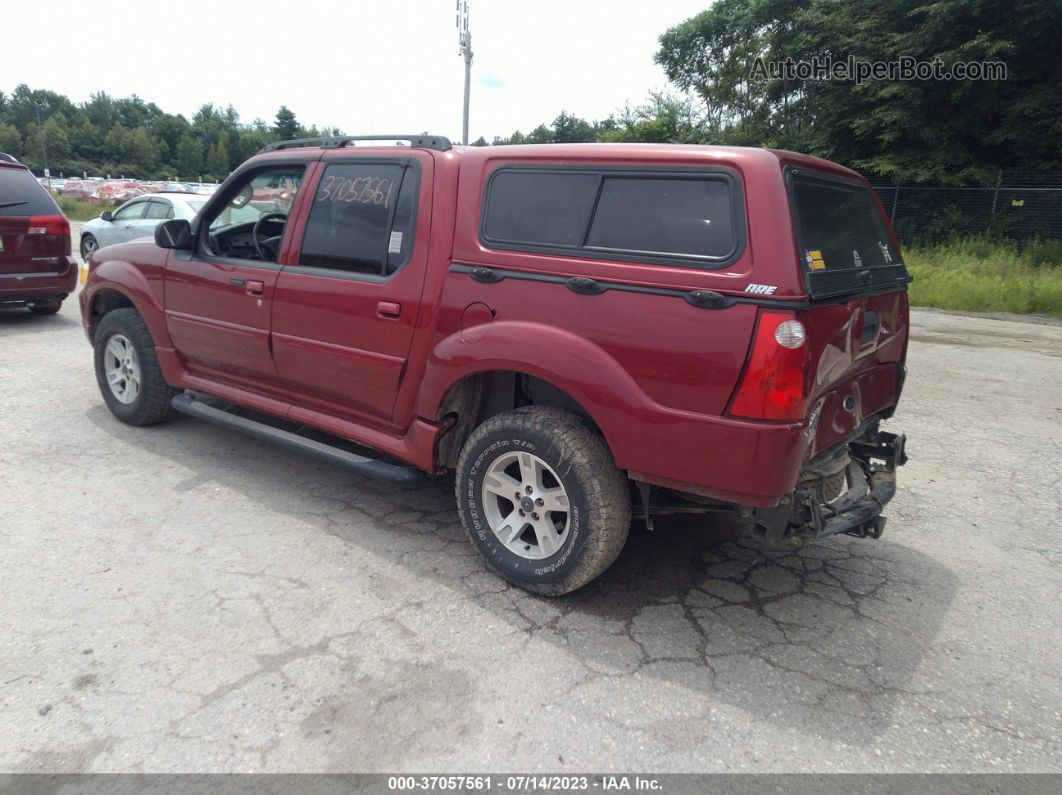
364	66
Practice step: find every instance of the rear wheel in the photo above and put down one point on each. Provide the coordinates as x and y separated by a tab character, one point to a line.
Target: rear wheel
542	500
128	371
46	307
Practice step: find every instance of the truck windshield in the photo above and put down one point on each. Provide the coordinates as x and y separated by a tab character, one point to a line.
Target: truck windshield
841	234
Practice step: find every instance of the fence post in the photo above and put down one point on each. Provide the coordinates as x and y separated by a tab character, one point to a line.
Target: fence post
895	199
995	196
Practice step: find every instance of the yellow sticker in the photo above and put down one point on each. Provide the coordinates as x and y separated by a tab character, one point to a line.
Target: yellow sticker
814	259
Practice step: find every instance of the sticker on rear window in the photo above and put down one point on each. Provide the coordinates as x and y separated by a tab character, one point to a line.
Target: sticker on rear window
394	245
814	259
856	259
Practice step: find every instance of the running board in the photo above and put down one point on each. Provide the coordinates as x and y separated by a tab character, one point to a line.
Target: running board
186	404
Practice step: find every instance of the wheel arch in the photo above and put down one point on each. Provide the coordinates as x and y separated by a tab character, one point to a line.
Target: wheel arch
115	284
476	397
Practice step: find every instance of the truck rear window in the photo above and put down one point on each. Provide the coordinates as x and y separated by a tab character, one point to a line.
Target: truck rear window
843	241
645	216
21	194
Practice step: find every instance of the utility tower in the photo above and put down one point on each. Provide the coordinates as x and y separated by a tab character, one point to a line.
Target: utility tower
464	38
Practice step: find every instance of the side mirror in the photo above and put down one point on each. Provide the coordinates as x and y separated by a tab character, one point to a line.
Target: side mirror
107	215
175	233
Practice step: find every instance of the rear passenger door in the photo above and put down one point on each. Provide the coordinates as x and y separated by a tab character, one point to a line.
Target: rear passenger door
346	308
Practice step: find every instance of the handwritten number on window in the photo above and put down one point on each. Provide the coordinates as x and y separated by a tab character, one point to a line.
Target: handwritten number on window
362	190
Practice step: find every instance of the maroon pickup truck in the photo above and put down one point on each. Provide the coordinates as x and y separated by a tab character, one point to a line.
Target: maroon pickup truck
578	332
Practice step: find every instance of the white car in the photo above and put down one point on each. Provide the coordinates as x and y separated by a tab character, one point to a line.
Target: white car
136	218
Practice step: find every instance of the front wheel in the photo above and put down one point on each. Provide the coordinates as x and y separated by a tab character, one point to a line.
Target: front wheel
128	371
542	500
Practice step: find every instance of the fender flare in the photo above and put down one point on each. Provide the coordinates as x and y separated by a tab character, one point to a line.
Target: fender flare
570	362
123	277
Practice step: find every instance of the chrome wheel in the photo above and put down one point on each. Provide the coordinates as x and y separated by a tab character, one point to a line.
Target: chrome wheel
122	368
526	505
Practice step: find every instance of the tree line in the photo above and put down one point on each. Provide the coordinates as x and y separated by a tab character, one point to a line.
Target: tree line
902	131
132	137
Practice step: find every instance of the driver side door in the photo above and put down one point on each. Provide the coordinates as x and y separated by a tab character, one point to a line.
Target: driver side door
219	297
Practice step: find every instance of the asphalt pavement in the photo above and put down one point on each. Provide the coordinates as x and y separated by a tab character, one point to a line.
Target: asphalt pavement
183	598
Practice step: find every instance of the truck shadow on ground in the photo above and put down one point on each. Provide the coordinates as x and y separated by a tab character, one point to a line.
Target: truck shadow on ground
17	320
825	638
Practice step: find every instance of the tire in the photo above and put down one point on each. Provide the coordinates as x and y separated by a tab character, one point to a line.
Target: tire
49	308
572	457
88	245
149	403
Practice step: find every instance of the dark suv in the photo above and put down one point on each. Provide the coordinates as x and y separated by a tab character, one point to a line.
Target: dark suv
579	332
36	269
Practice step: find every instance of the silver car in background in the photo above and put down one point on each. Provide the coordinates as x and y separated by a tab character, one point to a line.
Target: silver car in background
138	218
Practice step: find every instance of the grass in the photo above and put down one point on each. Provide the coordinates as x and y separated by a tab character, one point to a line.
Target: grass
78	209
977	274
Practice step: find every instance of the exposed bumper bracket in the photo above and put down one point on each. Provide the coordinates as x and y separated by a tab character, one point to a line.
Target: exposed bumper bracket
857	512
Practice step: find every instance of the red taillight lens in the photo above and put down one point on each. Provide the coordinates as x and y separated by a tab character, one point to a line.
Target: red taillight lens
51	226
774	384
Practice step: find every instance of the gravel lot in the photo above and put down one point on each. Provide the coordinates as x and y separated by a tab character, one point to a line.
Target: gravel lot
182	598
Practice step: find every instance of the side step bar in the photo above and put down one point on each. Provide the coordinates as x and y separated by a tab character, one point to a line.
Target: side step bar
186	404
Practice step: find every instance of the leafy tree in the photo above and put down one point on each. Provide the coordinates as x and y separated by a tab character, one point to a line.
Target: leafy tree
218	161
141	151
920	130
189	157
481	141
10	140
287	126
571	129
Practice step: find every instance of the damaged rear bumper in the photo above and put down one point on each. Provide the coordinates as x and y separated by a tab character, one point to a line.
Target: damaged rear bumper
870	475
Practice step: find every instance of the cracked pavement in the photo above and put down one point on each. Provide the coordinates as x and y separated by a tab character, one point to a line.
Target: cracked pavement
183	598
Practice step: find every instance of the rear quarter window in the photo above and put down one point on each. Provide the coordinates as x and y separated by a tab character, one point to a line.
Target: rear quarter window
683	218
840	226
21	194
843	241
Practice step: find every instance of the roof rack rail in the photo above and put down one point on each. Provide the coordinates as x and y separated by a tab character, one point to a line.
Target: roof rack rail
437	142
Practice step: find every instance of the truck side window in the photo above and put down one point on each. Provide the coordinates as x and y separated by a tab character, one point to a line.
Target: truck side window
648	215
361	219
690	217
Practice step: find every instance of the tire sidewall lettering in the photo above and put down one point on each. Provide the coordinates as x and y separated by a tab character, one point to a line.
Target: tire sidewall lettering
513	565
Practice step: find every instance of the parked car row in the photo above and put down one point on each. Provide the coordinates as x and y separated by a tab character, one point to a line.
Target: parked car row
113	192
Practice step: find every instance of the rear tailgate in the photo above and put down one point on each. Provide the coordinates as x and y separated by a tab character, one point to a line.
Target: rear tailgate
857	327
34	234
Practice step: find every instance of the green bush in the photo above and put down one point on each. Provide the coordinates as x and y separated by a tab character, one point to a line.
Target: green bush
78	209
979	274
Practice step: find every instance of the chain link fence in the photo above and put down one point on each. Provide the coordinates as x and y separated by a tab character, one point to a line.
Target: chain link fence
1021	205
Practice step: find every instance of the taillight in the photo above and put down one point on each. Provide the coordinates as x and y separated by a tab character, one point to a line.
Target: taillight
51	226
774	384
